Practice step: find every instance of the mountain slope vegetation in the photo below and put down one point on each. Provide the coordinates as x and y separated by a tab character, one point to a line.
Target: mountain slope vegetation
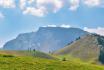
87	48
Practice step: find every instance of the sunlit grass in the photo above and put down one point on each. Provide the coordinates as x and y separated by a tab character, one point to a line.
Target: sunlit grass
36	63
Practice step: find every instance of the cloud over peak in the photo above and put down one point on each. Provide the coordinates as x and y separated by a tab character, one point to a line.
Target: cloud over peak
63	26
98	30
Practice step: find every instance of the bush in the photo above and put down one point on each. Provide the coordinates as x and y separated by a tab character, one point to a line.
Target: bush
64	59
8	56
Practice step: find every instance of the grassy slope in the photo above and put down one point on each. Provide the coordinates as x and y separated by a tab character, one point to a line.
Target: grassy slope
35	63
24	60
85	48
27	53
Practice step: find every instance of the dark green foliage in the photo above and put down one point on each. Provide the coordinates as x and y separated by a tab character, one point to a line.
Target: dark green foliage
101	56
34	50
101	45
101	40
78	38
4	55
69	43
64	59
8	56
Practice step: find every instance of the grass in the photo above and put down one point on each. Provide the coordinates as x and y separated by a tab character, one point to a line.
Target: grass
37	63
86	49
26	53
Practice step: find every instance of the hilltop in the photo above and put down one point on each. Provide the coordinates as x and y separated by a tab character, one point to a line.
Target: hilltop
87	48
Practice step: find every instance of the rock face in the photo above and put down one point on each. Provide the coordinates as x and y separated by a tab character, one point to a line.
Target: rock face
88	47
46	39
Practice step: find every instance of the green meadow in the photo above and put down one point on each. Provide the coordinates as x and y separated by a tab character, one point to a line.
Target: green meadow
27	62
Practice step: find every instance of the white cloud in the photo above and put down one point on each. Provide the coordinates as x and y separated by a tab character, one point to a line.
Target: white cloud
92	3
98	30
22	4
51	26
7	3
43	7
40	12
74	4
35	11
56	4
30	1
65	26
40	7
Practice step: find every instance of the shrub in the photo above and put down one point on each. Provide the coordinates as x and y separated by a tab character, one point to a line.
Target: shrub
8	56
64	59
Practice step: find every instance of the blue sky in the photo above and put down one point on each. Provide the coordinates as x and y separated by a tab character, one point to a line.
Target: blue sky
21	16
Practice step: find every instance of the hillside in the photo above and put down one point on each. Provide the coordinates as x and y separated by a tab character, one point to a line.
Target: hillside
46	39
35	63
87	48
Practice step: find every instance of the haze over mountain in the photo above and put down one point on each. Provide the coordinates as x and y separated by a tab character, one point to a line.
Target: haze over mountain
88	47
46	39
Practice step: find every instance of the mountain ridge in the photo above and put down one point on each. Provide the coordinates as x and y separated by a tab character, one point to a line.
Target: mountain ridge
46	39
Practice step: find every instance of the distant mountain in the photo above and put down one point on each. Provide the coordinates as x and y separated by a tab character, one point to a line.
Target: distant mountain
89	47
46	39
